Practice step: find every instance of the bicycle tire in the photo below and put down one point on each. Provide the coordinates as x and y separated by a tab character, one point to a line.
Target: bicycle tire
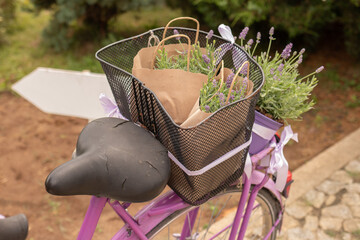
267	200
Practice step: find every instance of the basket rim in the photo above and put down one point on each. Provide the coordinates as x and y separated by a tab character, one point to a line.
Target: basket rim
142	85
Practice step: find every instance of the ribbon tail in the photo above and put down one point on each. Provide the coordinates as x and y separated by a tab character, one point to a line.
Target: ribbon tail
281	176
248	166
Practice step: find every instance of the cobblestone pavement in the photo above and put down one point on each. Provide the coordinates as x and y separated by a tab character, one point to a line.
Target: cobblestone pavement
331	210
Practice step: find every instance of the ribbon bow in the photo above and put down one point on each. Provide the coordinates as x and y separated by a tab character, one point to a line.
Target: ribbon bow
110	107
278	161
226	33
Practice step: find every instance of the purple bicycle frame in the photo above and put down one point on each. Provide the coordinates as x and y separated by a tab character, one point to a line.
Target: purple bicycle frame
151	215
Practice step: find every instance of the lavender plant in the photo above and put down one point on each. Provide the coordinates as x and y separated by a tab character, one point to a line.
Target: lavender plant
200	62
285	94
214	93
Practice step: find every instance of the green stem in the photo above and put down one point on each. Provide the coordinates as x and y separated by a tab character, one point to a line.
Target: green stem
254	49
267	53
307	76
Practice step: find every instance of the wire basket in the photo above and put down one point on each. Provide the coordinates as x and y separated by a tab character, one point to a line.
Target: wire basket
196	147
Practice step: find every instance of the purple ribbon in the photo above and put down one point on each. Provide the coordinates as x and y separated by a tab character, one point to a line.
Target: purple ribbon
110	107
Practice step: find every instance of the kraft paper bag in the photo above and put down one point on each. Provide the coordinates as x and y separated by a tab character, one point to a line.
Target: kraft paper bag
176	89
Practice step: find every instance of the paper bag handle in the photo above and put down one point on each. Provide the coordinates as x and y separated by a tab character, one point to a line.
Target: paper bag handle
173	36
182	18
221	79
236	74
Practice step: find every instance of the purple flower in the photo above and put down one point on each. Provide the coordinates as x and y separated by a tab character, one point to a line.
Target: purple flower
249	43
207	108
229	80
176	32
210	34
271	33
243	33
231	98
281	67
286	52
302	51
214	82
300	59
272	71
319	69
244	69
258	37
206	59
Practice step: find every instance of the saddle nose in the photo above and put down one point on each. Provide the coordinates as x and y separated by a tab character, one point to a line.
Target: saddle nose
114	159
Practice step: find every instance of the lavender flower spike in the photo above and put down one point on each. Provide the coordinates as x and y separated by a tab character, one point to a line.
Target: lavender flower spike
319	69
302	51
286	52
258	37
229	80
271	32
250	42
210	34
176	32
243	33
206	59
281	67
207	108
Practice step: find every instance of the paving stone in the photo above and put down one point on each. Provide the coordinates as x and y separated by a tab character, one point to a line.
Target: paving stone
330	187
311	223
298	209
329	223
321	235
315	198
300	234
355	210
330	200
337	211
342	176
351	199
353	166
289	222
351	225
346	236
355	187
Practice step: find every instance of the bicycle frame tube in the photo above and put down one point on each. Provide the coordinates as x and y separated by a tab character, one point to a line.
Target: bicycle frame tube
91	218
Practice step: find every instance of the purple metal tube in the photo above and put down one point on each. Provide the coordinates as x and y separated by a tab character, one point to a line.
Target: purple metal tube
189	223
92	216
216	235
249	207
240	210
128	220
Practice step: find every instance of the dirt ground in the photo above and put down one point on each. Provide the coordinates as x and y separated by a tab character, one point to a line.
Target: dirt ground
33	143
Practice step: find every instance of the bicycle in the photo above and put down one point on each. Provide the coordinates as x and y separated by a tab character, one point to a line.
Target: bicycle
102	162
168	207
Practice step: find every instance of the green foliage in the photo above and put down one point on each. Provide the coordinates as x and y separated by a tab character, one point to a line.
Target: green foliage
82	19
7	14
306	19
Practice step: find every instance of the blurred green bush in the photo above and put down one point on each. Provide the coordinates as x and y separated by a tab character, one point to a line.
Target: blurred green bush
299	18
7	14
78	20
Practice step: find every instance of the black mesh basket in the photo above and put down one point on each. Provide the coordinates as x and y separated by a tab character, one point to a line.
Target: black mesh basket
195	147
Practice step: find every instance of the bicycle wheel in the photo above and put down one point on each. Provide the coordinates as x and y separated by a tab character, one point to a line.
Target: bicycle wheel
215	217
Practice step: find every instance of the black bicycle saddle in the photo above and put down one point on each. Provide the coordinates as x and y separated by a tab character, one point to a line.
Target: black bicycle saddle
114	158
14	228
